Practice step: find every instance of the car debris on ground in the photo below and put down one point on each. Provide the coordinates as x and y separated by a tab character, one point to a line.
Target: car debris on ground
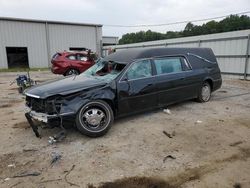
198	122
236	143
25	174
11	165
55	158
168	134
167	111
58	137
168	157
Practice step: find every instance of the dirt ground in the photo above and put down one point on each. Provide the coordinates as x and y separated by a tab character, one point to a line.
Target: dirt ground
204	145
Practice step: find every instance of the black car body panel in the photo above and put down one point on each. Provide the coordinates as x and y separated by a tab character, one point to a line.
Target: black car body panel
65	86
64	98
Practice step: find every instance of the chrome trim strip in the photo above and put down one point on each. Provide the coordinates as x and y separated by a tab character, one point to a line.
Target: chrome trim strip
202	58
40	116
66	113
31	95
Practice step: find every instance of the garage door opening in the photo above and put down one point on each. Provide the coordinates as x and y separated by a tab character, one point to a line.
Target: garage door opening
17	57
77	49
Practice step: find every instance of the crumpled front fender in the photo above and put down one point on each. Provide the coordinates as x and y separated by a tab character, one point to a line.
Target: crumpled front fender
73	105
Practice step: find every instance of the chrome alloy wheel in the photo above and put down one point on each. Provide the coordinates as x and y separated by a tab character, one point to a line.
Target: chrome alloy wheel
94	119
94	116
205	93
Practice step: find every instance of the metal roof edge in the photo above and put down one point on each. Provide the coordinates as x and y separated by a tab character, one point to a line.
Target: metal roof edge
48	21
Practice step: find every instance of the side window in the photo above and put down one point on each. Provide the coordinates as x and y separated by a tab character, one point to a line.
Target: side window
168	65
71	57
141	69
82	57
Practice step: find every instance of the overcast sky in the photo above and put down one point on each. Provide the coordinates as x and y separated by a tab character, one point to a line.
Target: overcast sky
126	12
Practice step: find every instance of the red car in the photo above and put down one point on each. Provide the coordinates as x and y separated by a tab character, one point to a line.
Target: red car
69	62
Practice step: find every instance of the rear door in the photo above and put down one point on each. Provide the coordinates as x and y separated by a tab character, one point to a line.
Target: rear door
136	89
172	81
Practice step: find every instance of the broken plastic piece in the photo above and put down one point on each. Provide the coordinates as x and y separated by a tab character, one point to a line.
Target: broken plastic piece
198	121
168	157
24	174
33	126
11	165
52	140
58	137
167	134
55	158
167	111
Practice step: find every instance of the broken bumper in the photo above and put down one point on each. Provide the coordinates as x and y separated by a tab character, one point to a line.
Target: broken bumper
51	120
42	117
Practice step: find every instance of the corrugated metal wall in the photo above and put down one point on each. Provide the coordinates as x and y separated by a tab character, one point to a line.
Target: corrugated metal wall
62	37
22	34
34	35
230	49
110	40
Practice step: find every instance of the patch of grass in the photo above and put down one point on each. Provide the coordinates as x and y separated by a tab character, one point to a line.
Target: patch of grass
24	69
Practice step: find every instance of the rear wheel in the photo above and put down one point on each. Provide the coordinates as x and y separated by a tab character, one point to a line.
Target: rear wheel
72	72
204	93
95	118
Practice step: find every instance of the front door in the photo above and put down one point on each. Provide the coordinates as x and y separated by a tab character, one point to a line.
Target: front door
136	89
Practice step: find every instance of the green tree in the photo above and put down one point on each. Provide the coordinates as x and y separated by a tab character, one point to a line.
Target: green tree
231	23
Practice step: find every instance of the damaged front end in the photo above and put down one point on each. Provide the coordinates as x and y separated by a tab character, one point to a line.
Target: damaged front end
47	113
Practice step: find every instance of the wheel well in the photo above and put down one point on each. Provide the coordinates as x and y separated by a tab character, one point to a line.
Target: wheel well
111	104
74	69
210	83
70	69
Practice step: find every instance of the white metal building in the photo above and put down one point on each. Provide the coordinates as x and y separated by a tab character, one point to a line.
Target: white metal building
109	40
31	43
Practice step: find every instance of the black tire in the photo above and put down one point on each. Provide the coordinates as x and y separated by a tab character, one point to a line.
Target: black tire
204	94
71	72
98	121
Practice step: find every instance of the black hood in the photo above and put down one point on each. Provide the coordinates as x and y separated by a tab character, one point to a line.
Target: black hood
64	86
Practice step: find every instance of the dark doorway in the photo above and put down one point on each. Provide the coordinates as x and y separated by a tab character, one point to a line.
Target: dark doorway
17	57
77	49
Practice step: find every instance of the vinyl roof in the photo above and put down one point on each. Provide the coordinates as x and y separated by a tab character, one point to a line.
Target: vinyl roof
48	21
130	55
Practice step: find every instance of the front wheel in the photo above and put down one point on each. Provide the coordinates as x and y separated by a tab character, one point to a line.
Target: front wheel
204	93
95	118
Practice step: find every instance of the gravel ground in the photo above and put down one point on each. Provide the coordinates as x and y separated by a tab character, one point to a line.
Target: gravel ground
206	145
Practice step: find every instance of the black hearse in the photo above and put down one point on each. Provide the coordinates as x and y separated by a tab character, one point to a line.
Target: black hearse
123	83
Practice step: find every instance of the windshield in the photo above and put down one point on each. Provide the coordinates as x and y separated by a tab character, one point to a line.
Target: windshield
104	70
